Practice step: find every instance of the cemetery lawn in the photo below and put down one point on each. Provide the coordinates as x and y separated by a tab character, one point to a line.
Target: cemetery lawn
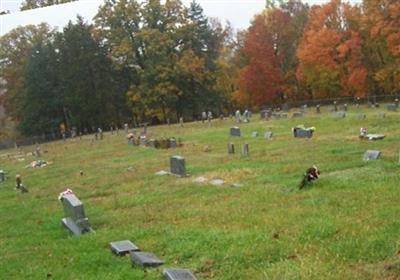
345	226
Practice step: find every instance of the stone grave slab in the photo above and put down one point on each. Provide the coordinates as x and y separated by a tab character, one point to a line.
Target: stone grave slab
178	166
75	219
200	179
123	247
161	173
254	134
374	136
391	107
297	114
235	131
268	135
340	115
178	274
303	133
217	182
371	155
145	259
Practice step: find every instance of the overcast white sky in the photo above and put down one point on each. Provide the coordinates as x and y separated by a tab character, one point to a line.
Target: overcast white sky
238	12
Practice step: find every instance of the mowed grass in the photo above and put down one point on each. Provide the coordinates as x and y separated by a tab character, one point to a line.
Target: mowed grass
345	226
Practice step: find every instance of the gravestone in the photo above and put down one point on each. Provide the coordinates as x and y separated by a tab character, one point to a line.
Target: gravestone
362	116
254	134
123	247
152	143
75	219
392	107
231	148
245	149
381	115
276	116
172	143
284	115
178	274
396	102
181	121
19	186
131	141
371	155
299	132
145	259
345	107
297	114
340	115
143	140
217	182
2	176
375	136
177	166
318	108
335	108
268	135
235	131
264	114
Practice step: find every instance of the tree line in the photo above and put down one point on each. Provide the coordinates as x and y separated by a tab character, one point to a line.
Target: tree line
153	61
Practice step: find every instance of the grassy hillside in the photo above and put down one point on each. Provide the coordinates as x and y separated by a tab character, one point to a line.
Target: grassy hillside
345	226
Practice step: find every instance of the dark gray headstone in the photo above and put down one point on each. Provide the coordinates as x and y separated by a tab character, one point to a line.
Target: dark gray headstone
302	133
177	165
123	247
178	274
371	155
75	219
245	149
268	135
392	107
340	115
231	148
235	131
145	259
297	115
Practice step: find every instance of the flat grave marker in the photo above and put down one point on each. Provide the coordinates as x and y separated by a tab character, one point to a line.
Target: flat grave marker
371	155
235	131
123	247
145	259
178	274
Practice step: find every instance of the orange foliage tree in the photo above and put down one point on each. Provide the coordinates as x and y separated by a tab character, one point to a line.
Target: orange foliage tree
330	54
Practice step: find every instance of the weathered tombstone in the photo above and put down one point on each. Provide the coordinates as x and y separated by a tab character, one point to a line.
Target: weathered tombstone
392	107
145	259
303	108
123	247
340	115
235	131
178	274
75	219
37	151
335	106
361	116
264	114
152	143
375	136
126	127
245	149
371	155
131	141
168	122
284	115
318	108
181	121
396	102
276	116
100	133
297	114
172	143
376	105
302	132
345	107
177	166
2	176
143	140
268	135
381	115
254	134
238	116
231	148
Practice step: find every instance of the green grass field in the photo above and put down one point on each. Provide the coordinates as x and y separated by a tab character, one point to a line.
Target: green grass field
345	226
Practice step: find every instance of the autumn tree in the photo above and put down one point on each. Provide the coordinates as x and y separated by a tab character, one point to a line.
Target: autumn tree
330	52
